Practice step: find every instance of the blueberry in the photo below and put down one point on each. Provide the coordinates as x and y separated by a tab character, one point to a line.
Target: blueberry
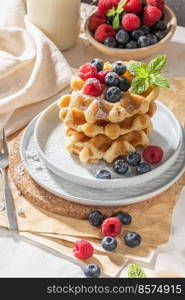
131	45
152	38
136	34
122	37
96	218
143	41
110	42
162	17
120	46
92	271
98	63
160	25
143	168
112	79
133	159
160	34
109	243
103	174
119	68
110	20
132	239
120	166
113	94
145	29
124	84
125	218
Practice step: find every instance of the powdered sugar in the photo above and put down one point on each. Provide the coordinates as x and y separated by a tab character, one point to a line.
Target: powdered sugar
32	155
20	170
101	113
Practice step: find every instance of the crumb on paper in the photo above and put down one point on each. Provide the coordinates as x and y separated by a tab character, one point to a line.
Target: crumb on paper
20	211
2	206
19	193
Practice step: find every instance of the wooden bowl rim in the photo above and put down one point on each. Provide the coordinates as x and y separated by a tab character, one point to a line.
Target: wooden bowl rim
172	24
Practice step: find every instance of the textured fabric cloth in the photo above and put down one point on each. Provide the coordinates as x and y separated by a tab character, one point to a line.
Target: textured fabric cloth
32	69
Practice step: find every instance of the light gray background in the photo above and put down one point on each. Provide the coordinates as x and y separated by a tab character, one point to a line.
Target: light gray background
179	8
177	5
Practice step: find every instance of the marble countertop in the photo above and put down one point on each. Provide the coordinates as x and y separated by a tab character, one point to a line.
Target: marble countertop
21	259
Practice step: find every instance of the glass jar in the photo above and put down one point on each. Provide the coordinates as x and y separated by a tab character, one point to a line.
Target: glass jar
58	19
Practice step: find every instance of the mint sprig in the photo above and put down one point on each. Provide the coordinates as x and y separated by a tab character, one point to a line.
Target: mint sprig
115	12
135	271
156	65
146	75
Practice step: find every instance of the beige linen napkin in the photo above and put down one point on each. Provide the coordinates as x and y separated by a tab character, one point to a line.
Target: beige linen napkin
32	69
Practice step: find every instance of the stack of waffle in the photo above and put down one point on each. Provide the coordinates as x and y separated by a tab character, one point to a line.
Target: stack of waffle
96	129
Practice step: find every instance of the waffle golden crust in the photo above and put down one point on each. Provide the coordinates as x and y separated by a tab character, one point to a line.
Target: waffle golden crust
91	150
75	119
96	109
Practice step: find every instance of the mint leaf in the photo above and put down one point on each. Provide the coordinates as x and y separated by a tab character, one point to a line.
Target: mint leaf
140	85
159	81
120	7
119	11
135	271
146	75
116	22
156	65
134	66
111	12
142	73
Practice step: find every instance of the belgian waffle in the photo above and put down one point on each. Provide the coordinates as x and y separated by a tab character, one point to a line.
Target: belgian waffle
96	109
75	119
96	128
99	147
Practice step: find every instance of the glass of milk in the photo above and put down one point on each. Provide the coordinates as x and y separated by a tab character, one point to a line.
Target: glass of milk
58	19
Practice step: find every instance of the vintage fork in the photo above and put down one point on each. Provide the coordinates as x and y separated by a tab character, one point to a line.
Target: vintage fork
7	194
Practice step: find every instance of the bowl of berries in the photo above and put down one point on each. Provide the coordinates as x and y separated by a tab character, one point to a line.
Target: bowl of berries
131	29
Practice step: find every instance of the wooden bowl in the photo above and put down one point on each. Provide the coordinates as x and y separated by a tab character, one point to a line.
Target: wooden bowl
139	53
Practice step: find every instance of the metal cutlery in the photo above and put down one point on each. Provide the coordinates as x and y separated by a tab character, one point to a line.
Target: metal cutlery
7	194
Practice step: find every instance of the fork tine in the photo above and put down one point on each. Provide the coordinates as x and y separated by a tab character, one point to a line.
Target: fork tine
5	146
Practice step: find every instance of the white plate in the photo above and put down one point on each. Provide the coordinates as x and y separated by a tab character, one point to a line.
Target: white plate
50	142
90	196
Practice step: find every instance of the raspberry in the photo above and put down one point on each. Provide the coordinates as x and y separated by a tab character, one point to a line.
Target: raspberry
92	87
96	20
151	15
83	249
104	6
158	3
87	71
102	74
153	154
104	31
111	227
115	3
130	22
133	6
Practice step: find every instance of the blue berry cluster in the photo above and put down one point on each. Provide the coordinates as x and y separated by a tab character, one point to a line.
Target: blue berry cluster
116	84
142	37
109	243
121	166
